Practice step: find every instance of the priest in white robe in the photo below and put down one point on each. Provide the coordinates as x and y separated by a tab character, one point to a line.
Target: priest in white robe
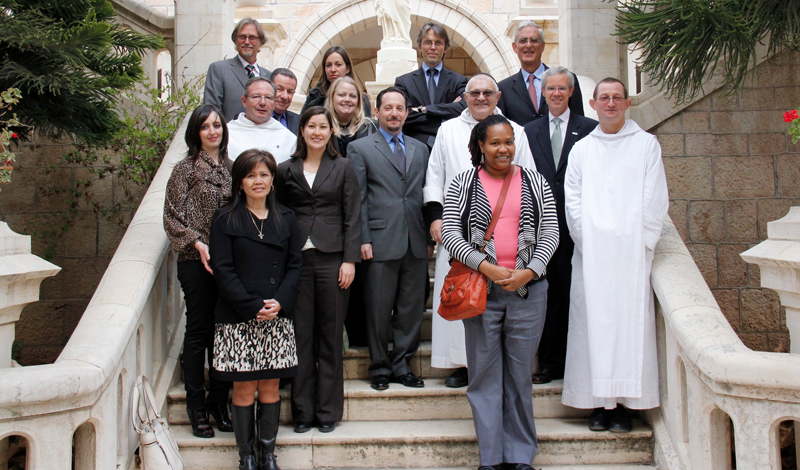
616	200
449	157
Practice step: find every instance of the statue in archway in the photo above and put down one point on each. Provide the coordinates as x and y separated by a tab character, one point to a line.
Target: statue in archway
395	18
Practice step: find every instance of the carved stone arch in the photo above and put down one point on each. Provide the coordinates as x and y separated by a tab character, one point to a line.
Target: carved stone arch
333	25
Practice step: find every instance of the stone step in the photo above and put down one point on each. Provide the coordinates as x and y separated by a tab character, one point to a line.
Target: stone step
399	403
356	363
421	444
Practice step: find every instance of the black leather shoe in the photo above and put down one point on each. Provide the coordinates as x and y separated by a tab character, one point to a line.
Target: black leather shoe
219	411
486	467
326	427
620	420
301	427
599	419
544	376
200	425
458	379
409	380
523	466
380	382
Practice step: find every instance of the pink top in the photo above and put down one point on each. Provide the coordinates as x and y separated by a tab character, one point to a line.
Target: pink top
506	233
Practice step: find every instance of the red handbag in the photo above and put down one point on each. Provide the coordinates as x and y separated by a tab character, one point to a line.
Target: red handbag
464	291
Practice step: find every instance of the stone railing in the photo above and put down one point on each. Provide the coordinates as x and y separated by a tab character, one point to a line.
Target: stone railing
720	401
131	326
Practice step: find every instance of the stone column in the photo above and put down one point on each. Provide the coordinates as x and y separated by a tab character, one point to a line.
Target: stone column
202	35
20	276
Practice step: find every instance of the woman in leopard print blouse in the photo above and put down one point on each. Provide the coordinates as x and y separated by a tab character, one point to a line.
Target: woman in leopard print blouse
200	184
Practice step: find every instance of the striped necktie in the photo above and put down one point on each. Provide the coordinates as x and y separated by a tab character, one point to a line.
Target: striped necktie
251	70
399	154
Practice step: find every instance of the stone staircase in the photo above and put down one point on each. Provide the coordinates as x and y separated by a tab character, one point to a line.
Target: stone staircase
415	428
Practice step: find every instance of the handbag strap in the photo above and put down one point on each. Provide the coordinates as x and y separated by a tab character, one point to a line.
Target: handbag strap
142	392
500	201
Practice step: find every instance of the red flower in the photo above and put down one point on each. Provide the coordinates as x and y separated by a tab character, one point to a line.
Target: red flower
14	135
790	116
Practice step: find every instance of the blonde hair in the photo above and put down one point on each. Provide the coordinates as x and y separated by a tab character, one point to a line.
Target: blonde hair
359	119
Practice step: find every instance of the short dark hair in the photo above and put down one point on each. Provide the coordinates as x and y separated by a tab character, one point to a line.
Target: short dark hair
392	89
245	163
262	37
284	72
192	135
257	79
437	30
323	82
610	80
301	150
479	135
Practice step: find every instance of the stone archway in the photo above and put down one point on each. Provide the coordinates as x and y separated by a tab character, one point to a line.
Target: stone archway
333	25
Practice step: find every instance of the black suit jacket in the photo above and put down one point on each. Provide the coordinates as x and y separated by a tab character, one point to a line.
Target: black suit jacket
330	211
424	126
538	132
292	121
516	104
249	270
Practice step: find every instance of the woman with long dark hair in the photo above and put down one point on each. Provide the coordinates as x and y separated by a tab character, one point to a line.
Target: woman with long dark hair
256	258
322	189
199	184
335	64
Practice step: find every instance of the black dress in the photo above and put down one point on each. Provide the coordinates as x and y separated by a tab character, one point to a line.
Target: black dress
249	269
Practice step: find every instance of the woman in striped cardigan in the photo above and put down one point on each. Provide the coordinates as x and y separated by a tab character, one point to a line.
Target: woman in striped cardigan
501	342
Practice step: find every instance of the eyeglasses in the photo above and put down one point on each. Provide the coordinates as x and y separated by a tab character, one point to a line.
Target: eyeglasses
244	37
429	43
258	98
606	99
477	93
523	41
553	88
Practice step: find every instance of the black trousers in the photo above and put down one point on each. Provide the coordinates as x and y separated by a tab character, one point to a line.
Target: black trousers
356	320
200	293
318	387
553	346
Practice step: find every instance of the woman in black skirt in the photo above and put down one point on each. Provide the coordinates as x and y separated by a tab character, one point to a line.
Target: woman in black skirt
256	258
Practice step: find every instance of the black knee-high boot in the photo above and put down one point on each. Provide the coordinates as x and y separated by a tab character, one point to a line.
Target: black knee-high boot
268	419
244	429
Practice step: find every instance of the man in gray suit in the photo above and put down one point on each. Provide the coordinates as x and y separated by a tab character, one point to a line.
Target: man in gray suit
391	173
225	79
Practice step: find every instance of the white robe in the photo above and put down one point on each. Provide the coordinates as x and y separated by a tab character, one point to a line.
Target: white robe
616	199
244	134
449	157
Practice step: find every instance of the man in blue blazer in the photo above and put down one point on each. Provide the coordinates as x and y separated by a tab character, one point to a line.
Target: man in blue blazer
226	78
285	85
434	91
391	167
518	93
557	133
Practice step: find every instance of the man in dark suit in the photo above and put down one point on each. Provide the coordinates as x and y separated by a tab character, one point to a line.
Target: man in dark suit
523	89
226	78
391	167
434	91
285	85
551	140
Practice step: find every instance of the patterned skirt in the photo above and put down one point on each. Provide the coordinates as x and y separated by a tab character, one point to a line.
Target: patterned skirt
255	350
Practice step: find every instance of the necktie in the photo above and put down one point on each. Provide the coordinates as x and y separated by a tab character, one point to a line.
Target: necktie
532	92
432	84
281	118
555	141
399	154
251	70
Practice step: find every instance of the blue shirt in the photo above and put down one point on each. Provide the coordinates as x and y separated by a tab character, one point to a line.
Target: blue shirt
537	83
439	67
389	138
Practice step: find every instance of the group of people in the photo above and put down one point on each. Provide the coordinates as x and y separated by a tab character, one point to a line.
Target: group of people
288	227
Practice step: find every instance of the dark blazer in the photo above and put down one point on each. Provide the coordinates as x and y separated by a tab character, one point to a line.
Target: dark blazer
538	133
292	121
391	200
516	104
225	86
330	211
249	270
424	126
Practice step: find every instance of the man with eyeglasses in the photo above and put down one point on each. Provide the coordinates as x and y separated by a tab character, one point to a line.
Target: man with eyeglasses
522	100
616	200
434	91
550	141
226	78
450	156
255	128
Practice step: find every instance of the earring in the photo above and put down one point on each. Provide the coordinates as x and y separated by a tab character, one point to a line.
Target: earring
483	157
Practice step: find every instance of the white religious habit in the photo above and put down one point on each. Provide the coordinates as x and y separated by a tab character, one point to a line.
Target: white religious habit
244	134
449	157
616	200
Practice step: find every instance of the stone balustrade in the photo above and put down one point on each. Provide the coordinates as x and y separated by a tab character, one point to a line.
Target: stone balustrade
132	326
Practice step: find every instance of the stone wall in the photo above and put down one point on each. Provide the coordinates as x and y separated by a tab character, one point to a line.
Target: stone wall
30	206
731	168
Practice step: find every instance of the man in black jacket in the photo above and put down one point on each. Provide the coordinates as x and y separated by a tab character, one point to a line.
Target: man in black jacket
521	99
434	91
